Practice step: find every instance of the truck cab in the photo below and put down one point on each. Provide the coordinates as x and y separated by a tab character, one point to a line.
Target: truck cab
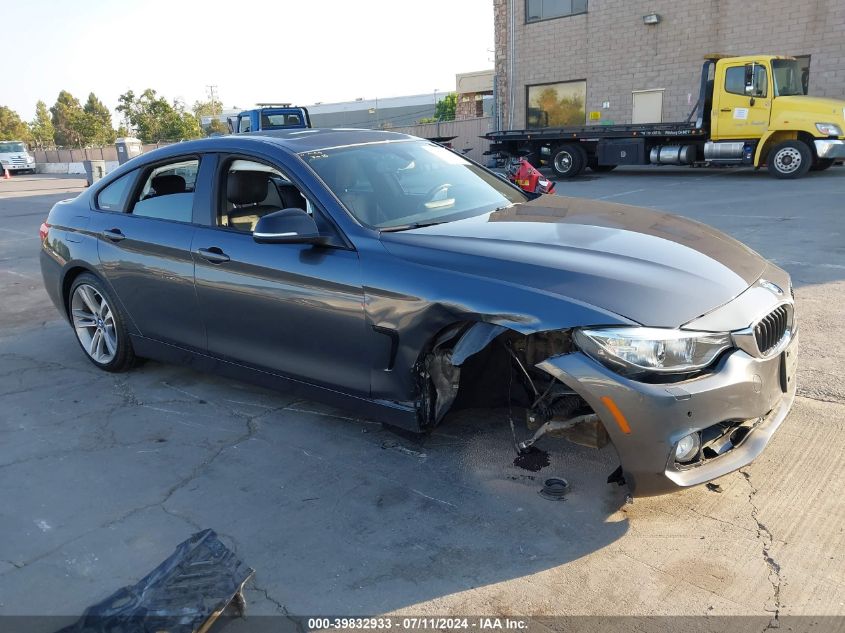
761	101
14	156
268	116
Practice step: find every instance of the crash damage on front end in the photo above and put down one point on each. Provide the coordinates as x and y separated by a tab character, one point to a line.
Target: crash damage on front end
670	429
605	324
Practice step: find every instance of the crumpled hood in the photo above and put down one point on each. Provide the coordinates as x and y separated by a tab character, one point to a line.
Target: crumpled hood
651	267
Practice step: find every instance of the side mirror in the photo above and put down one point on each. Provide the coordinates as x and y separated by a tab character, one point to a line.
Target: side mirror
288	226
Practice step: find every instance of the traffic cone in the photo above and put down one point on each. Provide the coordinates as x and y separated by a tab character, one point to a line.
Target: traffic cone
6	175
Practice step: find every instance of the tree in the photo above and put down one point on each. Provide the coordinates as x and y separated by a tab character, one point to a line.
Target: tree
67	120
444	109
11	126
42	130
154	119
96	122
203	109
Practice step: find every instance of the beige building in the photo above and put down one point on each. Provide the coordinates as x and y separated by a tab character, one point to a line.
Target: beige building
570	62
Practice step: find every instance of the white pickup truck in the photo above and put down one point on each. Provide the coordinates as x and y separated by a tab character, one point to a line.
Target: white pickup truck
15	157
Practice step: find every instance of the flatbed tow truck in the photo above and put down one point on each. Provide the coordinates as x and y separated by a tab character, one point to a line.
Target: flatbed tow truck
751	110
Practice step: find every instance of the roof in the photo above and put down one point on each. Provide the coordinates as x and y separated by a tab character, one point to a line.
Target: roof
382	103
306	140
295	141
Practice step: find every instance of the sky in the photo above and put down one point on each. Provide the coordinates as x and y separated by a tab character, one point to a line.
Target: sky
253	51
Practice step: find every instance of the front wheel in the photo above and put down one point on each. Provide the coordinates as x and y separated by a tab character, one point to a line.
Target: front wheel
99	324
790	159
568	160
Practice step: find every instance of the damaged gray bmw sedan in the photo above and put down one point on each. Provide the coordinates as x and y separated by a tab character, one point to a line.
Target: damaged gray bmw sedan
386	274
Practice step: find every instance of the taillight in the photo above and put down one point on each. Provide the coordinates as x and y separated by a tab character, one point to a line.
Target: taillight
43	230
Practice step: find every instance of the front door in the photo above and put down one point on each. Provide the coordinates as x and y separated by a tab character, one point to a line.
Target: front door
741	109
293	309
144	230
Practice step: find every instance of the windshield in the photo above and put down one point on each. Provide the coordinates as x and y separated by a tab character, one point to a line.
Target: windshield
405	184
6	148
788	77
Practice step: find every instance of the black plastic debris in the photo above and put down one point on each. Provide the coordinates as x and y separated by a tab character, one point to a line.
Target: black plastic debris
185	594
713	487
554	489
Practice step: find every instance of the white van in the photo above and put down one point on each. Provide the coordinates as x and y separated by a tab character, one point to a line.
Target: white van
15	157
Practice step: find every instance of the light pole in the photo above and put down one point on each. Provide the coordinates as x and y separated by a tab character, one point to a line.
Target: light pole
435	104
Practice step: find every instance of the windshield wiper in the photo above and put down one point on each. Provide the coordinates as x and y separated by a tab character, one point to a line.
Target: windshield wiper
407	227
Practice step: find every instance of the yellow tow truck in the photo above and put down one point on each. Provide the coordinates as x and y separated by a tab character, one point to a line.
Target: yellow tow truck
752	110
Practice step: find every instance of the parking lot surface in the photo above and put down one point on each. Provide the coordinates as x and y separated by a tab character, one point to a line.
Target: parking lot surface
102	475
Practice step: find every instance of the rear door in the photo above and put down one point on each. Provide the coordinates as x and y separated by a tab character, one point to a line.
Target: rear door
144	222
741	107
293	309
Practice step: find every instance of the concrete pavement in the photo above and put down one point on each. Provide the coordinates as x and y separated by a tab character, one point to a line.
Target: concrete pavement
102	475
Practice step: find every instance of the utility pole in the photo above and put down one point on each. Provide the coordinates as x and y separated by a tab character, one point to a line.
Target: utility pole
211	90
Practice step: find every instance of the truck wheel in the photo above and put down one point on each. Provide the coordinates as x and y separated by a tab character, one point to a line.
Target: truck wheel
820	164
790	159
568	160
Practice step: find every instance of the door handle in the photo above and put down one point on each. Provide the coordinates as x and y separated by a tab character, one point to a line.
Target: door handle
725	110
213	255
115	235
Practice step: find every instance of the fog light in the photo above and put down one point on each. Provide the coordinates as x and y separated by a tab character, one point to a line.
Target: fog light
687	448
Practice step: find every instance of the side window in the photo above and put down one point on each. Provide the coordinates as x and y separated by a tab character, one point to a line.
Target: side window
168	192
251	190
113	196
243	125
735	80
750	80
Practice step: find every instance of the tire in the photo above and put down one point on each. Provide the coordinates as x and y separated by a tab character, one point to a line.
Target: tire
820	164
568	160
99	324
790	159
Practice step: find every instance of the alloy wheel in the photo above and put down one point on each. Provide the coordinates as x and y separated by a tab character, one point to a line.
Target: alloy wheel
93	321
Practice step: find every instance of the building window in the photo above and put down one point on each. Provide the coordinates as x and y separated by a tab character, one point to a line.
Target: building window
556	105
536	10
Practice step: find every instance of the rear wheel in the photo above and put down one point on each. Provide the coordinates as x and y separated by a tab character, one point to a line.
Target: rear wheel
99	324
790	159
568	160
820	164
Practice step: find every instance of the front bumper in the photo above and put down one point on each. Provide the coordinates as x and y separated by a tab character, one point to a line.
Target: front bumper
741	390
830	148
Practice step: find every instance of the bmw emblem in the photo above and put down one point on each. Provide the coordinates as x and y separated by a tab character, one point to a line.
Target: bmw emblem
768	285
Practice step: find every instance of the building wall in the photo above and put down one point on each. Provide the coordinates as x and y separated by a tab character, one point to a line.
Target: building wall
617	54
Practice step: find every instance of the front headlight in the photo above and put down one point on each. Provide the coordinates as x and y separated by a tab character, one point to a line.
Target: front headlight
635	351
829	129
30	159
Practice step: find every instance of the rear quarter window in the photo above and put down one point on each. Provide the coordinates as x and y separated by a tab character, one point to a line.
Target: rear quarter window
113	196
